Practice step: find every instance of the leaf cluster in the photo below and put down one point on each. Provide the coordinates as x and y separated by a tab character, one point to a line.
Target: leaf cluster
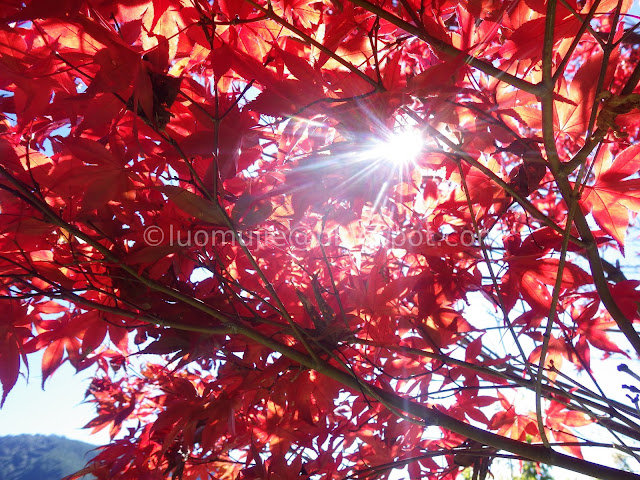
198	201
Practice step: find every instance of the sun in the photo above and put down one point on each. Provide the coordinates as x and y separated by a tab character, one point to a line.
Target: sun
401	147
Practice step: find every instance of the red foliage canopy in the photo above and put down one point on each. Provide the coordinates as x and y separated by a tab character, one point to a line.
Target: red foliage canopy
324	239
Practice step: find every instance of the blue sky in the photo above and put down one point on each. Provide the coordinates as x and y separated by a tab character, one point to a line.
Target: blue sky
58	410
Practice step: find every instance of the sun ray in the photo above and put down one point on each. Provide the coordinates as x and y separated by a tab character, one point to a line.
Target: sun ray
401	147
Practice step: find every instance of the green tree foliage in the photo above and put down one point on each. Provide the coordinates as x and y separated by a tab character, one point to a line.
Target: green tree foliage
534	471
40	457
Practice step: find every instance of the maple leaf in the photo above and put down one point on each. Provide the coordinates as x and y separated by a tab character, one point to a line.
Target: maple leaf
199	207
524	43
613	195
12	338
573	117
302	11
388	306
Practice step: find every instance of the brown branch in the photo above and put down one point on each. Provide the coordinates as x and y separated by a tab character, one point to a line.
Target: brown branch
272	15
392	400
449	50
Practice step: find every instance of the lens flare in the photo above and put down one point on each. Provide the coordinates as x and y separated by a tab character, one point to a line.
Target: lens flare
401	147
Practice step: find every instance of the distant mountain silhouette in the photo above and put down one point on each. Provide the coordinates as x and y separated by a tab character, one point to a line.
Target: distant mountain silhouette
41	457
